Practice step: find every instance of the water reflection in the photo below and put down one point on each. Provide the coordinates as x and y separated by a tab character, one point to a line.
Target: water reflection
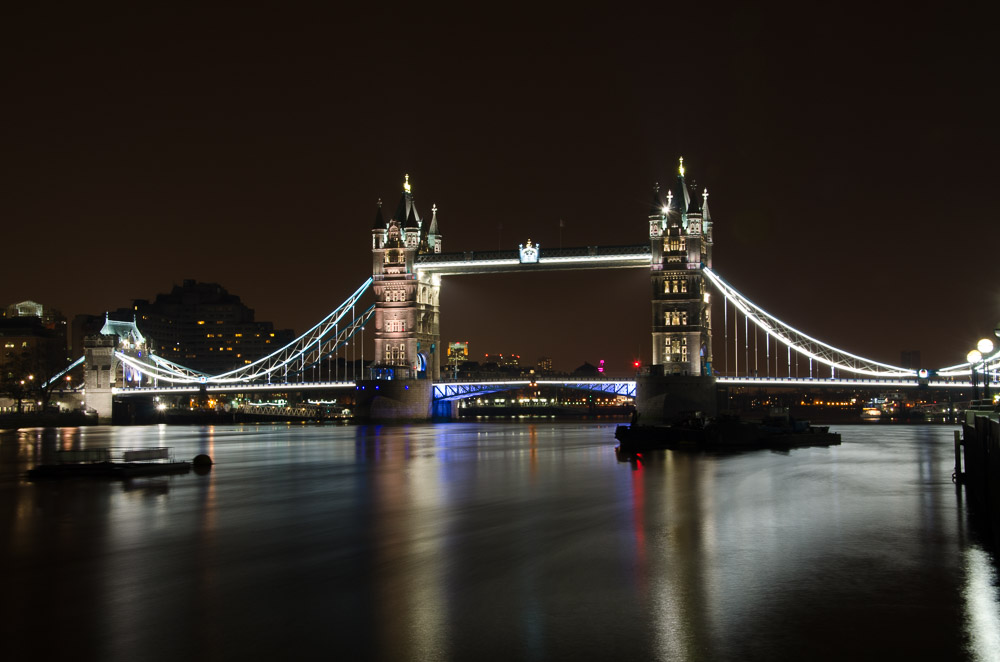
496	541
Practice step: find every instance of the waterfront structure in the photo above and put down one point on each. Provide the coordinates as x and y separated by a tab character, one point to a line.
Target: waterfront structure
408	265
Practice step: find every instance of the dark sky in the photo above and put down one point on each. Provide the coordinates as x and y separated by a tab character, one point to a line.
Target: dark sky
851	157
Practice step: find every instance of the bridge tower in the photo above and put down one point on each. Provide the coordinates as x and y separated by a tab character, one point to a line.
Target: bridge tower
407	315
407	305
680	234
680	377
103	371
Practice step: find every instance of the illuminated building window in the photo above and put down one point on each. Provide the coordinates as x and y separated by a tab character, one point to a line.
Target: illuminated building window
201	321
675	285
676	349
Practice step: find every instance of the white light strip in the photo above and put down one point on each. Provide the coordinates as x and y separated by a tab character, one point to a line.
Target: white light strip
230	388
805	381
641	259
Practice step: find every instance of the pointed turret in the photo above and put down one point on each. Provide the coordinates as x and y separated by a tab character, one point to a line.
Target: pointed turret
433	229
681	198
433	233
694	207
378	228
411	221
705	216
400	213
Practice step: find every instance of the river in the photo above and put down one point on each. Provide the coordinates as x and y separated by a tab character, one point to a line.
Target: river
494	541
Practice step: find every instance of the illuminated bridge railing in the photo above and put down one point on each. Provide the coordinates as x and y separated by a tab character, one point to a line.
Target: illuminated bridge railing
819	382
460	390
279	387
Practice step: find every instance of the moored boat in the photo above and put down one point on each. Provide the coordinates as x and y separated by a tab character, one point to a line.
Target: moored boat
115	463
778	431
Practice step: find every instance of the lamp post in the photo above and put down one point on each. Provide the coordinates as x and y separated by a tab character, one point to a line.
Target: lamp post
973	358
985	347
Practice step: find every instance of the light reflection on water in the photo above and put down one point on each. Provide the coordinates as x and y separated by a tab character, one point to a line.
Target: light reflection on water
495	541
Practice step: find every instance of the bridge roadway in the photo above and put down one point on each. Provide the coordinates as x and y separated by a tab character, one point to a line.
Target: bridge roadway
446	390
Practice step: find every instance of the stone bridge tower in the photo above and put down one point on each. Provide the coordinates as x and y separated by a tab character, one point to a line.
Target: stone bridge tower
103	371
407	305
680	379
680	234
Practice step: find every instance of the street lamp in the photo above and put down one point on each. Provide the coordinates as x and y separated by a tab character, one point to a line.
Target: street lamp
973	358
985	347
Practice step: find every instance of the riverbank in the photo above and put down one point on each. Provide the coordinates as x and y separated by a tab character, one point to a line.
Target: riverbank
46	420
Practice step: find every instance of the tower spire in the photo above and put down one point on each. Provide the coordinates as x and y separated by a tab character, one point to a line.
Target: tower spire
406	183
680	168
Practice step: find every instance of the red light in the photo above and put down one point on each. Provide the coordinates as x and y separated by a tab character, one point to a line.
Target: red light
635	364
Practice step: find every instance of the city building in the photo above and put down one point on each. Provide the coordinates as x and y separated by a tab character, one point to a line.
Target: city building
33	335
32	350
204	327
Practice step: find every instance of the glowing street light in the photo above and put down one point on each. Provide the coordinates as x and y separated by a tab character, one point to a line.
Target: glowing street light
985	347
974	357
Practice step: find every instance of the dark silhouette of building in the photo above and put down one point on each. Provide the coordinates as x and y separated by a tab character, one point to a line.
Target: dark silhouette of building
32	351
33	334
204	327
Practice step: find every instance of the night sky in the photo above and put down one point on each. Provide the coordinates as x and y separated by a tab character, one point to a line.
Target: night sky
851	158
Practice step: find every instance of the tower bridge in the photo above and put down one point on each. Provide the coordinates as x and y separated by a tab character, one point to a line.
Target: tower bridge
403	378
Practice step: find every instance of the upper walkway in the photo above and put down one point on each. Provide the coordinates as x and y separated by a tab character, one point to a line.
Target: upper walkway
485	262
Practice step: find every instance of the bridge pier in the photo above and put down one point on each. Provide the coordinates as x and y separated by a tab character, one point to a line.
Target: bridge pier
661	399
393	399
100	367
445	410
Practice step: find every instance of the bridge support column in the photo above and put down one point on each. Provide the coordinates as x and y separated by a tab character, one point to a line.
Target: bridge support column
660	400
445	409
394	399
99	369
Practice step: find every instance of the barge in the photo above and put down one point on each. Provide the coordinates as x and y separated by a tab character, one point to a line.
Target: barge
776	431
114	463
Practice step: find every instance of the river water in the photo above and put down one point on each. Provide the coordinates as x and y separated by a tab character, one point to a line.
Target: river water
494	541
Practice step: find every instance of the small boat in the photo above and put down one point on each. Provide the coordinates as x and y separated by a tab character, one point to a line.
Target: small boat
726	432
115	463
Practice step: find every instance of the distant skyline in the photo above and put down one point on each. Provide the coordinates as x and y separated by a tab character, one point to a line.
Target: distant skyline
852	164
